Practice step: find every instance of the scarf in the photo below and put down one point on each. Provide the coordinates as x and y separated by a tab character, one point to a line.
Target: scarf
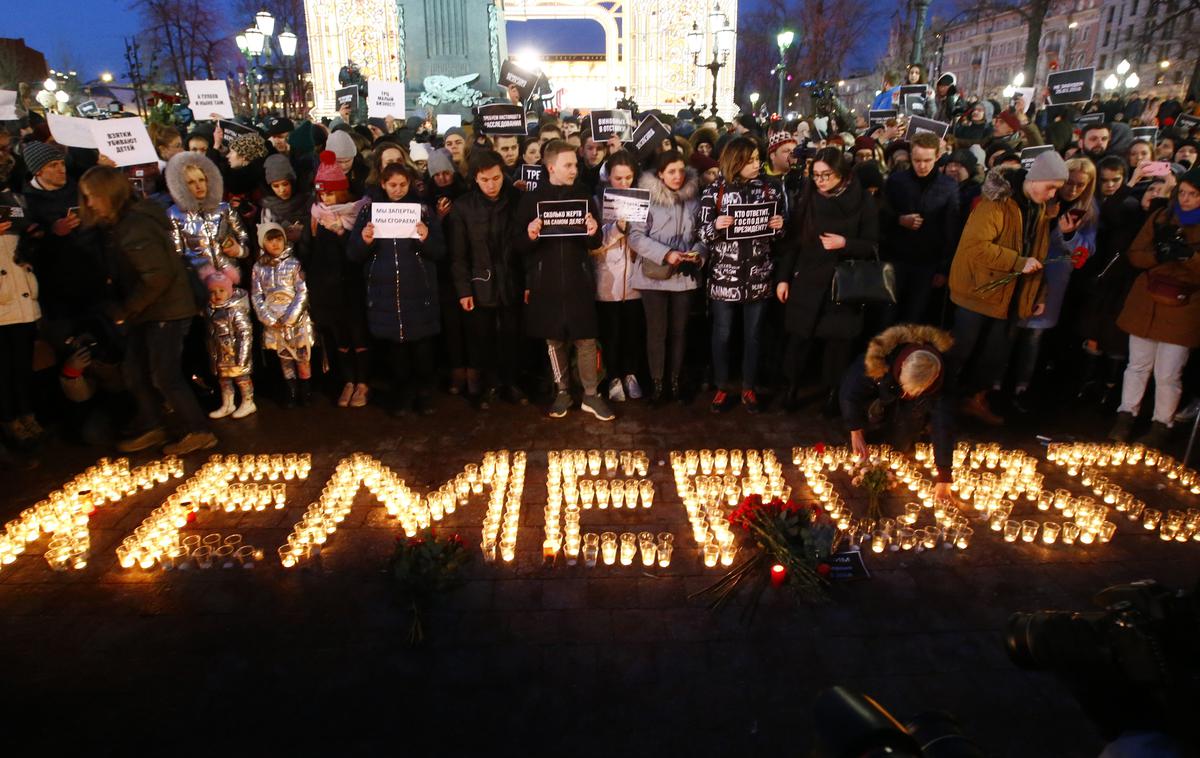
1187	218
344	212
289	210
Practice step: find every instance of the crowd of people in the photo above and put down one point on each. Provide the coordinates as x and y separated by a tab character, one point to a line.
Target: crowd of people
124	291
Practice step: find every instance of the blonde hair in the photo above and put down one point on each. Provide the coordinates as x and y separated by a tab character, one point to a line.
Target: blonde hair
109	185
192	168
1084	202
919	371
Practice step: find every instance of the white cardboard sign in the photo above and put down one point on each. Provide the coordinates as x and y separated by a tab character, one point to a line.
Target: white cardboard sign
386	99
8	105
207	97
395	220
447	121
124	140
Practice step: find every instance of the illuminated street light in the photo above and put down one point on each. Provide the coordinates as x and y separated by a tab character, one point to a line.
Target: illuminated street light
50	84
1123	67
106	77
1110	82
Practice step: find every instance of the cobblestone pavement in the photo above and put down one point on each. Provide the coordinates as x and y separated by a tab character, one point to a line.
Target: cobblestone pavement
525	659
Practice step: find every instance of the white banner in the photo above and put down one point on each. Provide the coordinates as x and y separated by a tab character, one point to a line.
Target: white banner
124	140
447	121
395	220
386	99
8	105
209	99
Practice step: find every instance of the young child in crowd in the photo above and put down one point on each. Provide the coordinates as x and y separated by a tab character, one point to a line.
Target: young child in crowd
230	342
280	299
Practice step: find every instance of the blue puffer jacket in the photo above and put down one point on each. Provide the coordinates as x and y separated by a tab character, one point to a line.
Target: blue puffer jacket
1058	268
402	285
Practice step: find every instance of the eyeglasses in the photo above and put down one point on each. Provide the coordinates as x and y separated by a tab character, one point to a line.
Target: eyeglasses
824	176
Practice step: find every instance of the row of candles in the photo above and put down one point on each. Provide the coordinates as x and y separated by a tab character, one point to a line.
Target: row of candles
503	516
65	512
568	495
201	552
1075	455
224	483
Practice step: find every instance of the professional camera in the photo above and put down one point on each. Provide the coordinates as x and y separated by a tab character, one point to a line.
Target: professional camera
1133	665
851	724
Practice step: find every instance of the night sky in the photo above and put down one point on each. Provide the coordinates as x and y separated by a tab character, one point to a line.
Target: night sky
93	41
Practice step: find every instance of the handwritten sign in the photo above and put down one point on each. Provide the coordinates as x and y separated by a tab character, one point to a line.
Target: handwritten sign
395	220
532	174
750	220
209	96
447	121
1030	154
513	75
919	124
1074	86
563	218
626	205
607	124
8	105
385	99
501	119
648	137
124	140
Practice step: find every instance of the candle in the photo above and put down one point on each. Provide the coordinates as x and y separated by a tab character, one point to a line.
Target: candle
778	575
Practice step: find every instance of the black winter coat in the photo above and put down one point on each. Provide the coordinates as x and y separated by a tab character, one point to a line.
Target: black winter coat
937	201
559	272
1106	277
337	295
808	267
401	280
480	234
70	269
150	277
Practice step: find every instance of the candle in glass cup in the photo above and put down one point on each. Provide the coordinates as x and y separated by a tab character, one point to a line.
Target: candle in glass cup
1029	530
712	554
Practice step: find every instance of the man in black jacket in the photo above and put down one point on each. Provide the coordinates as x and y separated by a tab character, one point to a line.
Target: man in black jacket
487	275
921	227
899	383
560	282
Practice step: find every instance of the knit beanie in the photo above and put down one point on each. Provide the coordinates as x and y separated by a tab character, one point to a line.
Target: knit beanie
1192	177
38	154
702	162
1011	119
439	161
277	168
863	142
1048	167
455	130
779	139
250	146
965	158
342	145
264	228
301	139
418	151
330	178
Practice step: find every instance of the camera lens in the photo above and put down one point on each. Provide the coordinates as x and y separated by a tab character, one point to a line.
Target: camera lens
1055	640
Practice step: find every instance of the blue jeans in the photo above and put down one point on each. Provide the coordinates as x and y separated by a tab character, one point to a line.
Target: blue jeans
722	316
153	371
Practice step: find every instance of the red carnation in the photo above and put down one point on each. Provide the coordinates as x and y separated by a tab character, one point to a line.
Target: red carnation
820	448
1079	257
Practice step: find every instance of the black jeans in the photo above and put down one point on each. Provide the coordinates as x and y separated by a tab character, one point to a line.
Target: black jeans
666	324
153	372
982	345
412	365
835	357
914	288
622	336
16	370
494	343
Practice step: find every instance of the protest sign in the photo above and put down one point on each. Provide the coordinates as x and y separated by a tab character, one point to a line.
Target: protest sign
8	105
124	140
395	220
512	74
1073	86
563	218
607	124
385	99
626	205
918	124
648	137
532	174
879	118
1148	133
446	121
88	109
209	97
1089	118
750	220
1032	152
501	119
233	128
71	131
347	96
1184	123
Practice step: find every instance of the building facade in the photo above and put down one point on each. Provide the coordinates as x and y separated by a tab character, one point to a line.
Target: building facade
1160	50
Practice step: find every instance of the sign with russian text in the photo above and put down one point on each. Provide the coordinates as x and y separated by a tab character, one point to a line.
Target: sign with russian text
395	221
563	218
648	137
209	98
532	174
626	205
607	124
385	99
513	75
920	124
750	220
1030	154
1073	86
500	119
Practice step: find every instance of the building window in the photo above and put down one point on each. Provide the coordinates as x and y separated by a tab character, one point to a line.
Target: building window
1133	9
1103	61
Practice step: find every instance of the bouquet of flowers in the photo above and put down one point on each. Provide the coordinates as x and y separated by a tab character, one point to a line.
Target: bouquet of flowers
1078	257
876	478
423	567
795	536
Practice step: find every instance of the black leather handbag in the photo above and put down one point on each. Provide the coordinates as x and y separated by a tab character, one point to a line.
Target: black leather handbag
860	281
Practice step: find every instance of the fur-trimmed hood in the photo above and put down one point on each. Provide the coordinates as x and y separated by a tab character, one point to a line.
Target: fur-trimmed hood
887	342
177	182
660	195
1000	183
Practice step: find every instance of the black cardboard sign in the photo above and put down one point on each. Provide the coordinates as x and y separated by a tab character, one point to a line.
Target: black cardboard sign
648	137
512	74
848	564
918	124
501	119
607	124
1089	118
1186	123
1029	154
750	220
563	218
1148	133
346	95
879	118
1073	86
532	174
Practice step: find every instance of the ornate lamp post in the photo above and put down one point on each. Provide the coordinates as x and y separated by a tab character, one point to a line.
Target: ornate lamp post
784	40
723	37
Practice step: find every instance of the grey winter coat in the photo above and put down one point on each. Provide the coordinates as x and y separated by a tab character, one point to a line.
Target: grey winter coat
199	227
670	225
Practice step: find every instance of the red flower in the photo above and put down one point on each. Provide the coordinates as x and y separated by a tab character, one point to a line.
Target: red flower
820	448
1080	257
823	569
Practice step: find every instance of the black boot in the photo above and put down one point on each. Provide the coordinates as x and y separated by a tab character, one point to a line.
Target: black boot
304	395
679	393
291	393
658	393
830	408
1090	386
791	399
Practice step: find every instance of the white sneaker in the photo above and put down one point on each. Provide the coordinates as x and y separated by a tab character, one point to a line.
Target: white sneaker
632	388
616	392
245	409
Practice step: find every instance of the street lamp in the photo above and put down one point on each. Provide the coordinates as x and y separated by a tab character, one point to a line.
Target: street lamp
1132	81
1164	64
50	84
265	23
106	77
1123	67
784	40
287	43
1110	82
722	35
754	96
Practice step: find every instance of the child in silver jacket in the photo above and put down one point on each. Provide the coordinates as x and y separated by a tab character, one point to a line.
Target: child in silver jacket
230	342
280	299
